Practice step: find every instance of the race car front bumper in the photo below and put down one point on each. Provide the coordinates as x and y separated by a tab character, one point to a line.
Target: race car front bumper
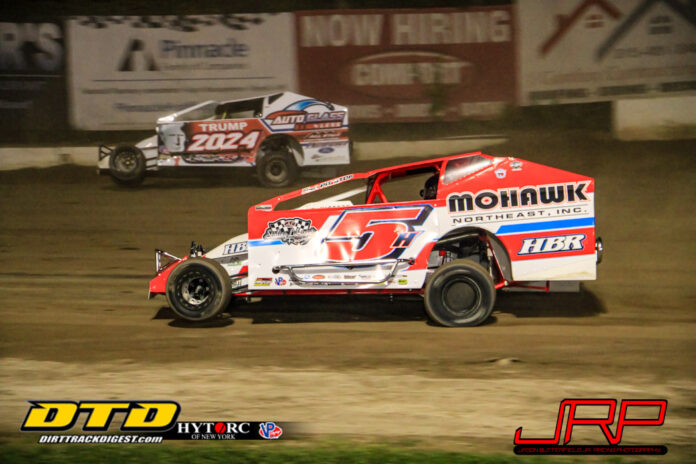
103	159
164	265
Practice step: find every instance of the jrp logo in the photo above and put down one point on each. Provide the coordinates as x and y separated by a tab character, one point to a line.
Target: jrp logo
140	416
651	413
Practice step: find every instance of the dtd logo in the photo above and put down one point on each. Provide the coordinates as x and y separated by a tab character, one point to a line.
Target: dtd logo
139	415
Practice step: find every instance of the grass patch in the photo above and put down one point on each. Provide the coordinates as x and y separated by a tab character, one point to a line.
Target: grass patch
288	452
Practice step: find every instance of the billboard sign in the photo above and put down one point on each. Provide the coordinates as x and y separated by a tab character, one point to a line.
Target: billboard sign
127	71
32	77
410	64
575	51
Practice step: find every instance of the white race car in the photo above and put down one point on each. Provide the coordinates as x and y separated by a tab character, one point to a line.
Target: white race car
278	134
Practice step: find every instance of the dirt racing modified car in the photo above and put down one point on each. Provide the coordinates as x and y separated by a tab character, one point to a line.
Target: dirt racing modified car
454	230
277	134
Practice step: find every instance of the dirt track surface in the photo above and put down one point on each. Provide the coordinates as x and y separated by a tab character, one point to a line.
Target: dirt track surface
77	256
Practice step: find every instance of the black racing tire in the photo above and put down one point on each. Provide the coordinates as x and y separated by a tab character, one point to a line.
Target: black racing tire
277	169
198	289
460	293
127	166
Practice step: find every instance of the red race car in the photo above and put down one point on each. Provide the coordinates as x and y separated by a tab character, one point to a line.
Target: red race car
454	229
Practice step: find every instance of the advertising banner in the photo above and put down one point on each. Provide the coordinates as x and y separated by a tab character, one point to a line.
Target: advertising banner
32	79
410	64
598	50
125	72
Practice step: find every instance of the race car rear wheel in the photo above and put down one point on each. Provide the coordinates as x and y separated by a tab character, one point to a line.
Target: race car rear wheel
277	169
198	289
461	293
127	166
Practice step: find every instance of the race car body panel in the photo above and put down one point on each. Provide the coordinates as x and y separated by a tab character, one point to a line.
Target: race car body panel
543	217
231	133
232	255
524	221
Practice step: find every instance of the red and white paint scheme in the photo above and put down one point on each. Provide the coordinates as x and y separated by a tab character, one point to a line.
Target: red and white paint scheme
479	223
278	134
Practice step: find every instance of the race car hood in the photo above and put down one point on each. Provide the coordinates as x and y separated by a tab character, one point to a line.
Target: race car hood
232	255
148	143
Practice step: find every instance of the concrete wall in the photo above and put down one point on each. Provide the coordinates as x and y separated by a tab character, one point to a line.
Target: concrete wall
663	118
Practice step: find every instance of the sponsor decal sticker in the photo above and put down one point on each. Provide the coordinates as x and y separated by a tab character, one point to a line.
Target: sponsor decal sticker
263	282
270	431
325	184
280	281
235	248
540	213
291	231
518	197
500	173
531	246
516	165
295	118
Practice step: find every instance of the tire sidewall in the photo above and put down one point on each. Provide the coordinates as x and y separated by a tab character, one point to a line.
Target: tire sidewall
220	296
460	270
290	168
133	177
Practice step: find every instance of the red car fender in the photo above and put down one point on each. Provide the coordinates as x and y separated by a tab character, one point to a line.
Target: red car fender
159	283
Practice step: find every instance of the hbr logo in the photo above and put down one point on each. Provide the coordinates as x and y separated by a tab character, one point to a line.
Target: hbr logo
532	246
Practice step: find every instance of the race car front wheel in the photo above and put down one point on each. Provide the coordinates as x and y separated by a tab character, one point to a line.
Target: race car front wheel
198	289
461	293
127	166
277	169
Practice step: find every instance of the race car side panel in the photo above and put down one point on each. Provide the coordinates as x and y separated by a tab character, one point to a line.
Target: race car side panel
320	130
543	216
357	247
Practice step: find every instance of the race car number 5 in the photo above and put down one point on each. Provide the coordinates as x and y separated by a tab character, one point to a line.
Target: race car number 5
224	141
374	233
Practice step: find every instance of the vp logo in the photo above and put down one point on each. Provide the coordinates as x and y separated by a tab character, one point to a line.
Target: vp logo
137	58
141	416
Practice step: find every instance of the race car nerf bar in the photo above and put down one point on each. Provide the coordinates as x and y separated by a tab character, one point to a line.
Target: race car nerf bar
159	266
104	151
290	269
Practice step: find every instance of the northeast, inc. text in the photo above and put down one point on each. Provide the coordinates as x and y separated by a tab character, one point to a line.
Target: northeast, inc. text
537	213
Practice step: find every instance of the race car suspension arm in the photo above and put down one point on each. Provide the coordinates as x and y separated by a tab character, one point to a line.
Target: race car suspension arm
290	269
